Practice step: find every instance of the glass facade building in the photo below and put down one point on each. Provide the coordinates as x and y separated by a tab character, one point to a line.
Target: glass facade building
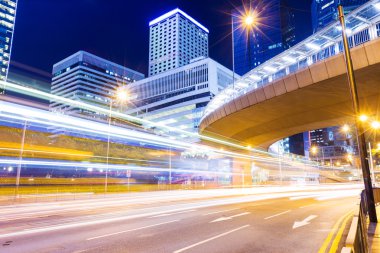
178	97
7	24
324	12
175	38
274	34
90	79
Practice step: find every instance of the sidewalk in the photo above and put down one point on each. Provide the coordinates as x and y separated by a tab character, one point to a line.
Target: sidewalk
374	234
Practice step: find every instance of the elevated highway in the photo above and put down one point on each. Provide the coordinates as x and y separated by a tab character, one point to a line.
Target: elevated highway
278	100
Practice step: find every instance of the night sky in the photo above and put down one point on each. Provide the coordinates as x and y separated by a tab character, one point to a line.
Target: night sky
49	30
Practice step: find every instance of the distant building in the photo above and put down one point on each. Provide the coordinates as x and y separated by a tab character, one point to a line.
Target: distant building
177	97
273	35
7	25
323	12
175	38
90	79
31	77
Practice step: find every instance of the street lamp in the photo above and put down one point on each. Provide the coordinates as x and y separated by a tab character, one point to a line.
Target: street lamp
363	118
122	95
18	175
375	125
359	126
247	21
346	128
314	151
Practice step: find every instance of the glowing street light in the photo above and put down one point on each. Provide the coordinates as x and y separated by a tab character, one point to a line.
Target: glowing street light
363	118
346	128
249	20
122	94
314	150
375	125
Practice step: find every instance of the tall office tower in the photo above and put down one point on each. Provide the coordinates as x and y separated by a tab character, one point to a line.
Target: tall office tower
175	39
7	24
274	33
323	12
90	79
178	97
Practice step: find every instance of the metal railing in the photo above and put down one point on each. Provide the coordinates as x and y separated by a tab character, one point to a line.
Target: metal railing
357	239
363	25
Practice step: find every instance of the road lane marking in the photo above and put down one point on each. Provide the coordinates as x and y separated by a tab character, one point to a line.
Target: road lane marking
168	214
130	230
338	237
269	217
229	217
308	205
309	196
210	239
304	222
331	234
223	211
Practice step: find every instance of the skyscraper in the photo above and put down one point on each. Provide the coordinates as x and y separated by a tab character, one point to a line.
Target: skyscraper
274	33
175	38
7	24
90	79
324	12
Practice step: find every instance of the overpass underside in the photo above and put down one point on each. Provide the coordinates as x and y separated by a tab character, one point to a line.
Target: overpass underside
315	97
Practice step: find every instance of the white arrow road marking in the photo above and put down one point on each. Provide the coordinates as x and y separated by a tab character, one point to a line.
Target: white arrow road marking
306	221
230	217
276	215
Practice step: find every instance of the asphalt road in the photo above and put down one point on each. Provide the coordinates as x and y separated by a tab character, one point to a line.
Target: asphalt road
266	219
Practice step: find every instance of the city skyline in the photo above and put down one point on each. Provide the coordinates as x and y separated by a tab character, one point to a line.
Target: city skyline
119	42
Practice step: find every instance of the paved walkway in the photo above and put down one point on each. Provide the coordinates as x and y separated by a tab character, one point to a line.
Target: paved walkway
374	234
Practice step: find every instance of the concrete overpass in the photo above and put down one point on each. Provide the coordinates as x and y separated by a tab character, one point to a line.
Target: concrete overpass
314	96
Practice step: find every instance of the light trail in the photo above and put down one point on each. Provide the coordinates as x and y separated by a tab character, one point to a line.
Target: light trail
102	166
46	118
22	113
40	94
81	155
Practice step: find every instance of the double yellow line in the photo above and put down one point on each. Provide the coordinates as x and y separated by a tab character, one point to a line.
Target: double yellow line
341	224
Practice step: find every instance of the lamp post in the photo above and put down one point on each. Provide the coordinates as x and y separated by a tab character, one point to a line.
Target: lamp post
121	96
371	163
20	158
360	131
314	151
247	22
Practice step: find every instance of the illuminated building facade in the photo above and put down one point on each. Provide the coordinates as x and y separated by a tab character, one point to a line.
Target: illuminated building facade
7	25
323	12
175	39
177	97
90	79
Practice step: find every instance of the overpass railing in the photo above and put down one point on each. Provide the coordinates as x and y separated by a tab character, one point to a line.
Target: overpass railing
363	25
